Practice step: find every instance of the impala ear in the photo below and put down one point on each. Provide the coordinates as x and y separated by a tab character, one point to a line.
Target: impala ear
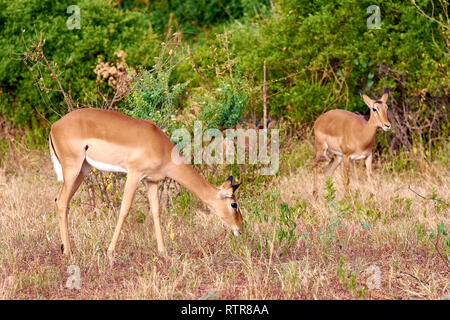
228	183
272	123
385	95
227	188
366	99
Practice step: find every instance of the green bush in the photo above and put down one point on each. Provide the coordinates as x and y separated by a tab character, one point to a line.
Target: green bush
321	54
154	99
192	16
224	109
74	53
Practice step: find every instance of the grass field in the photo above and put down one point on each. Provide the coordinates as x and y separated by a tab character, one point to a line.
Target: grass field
293	246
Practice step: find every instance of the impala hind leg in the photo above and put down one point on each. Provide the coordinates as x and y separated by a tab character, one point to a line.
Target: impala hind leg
153	198
72	180
130	188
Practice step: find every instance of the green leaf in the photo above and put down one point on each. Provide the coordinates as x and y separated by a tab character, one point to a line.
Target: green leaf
441	229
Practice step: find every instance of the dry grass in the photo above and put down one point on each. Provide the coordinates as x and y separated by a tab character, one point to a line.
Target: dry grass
328	256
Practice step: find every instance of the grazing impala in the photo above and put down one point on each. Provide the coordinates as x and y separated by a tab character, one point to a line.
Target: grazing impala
345	136
110	141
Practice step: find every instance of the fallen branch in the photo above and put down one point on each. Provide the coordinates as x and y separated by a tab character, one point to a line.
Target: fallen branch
412	276
426	198
440	254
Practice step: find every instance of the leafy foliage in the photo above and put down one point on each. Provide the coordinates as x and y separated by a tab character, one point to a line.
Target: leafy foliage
191	16
104	30
319	55
287	224
153	99
224	110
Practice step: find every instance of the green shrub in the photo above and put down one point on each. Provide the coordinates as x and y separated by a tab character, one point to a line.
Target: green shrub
224	109
154	99
74	53
191	16
321	54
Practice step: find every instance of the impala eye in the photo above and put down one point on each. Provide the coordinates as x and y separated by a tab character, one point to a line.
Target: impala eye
234	205
374	110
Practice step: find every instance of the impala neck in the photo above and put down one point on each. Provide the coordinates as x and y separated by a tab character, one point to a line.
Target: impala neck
369	130
186	175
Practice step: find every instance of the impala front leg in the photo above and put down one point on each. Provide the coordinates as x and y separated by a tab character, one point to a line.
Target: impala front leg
369	172
153	198
334	163
346	165
130	188
315	163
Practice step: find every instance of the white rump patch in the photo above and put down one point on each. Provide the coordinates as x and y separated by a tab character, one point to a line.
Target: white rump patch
57	167
105	166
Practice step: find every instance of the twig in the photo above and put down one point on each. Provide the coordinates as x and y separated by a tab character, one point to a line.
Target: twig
426	198
40	55
428	17
197	69
265	98
440	254
420	280
37	55
227	50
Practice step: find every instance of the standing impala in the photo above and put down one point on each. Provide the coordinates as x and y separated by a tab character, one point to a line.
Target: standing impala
110	141
346	136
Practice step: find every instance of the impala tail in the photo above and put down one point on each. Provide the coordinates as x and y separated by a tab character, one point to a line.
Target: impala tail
56	163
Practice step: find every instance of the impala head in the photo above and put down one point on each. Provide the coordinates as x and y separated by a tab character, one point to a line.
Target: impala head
378	110
226	206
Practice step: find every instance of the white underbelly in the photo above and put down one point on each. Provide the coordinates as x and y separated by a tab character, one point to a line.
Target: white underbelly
102	166
339	153
357	157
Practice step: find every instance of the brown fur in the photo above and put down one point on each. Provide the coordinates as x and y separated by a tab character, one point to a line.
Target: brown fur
344	136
